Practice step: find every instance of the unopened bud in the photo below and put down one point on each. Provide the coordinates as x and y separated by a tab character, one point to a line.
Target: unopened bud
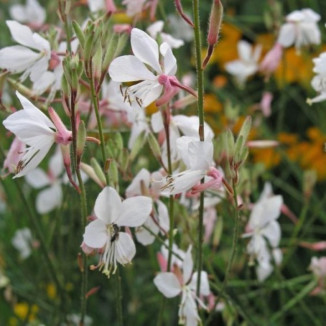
154	145
79	33
97	63
81	139
113	174
97	170
214	26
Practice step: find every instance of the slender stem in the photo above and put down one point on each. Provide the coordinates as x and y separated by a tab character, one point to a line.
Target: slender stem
99	122
119	297
200	112
234	242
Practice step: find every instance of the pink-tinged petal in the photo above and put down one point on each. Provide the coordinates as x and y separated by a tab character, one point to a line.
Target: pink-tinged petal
167	284
145	49
134	211
128	68
37	179
287	35
17	58
108	205
169	60
96	234
187	266
48	199
125	249
141	180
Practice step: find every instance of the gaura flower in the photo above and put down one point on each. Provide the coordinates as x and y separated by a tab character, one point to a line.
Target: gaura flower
172	284
134	68
247	64
50	196
104	232
37	131
22	241
31	56
32	13
135	7
262	225
300	29
319	81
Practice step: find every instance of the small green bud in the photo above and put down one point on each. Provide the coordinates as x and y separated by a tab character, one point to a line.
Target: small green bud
98	170
113	174
138	145
79	33
245	129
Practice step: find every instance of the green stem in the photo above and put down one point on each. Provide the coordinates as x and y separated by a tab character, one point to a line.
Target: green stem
99	122
305	291
119	297
200	112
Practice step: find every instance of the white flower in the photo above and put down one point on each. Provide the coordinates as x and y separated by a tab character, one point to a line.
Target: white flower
170	286
32	13
37	131
263	227
50	197
319	81
104	232
31	57
247	64
300	29
141	185
198	158
133	68
22	241
156	29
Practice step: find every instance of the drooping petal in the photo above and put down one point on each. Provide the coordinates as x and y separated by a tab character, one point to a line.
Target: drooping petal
163	216
167	284
96	234
56	163
37	179
187	266
273	233
128	68
145	49
134	211
204	284
125	248
245	51
48	199
286	35
145	237
108	205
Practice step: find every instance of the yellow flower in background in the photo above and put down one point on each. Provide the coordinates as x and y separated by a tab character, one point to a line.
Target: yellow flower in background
51	291
23	310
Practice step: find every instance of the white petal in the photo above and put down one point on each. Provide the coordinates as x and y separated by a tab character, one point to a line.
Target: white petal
170	62
37	178
21	34
128	68
17	12
17	58
134	211
108	205
204	284
187	266
35	12
273	233
56	163
163	216
167	284
145	49
173	42
143	236
45	80
200	155
142	179
157	121
155	28
33	156
125	248
96	234
48	199
286	35
245	51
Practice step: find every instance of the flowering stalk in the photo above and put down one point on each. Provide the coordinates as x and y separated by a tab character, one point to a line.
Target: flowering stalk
200	111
